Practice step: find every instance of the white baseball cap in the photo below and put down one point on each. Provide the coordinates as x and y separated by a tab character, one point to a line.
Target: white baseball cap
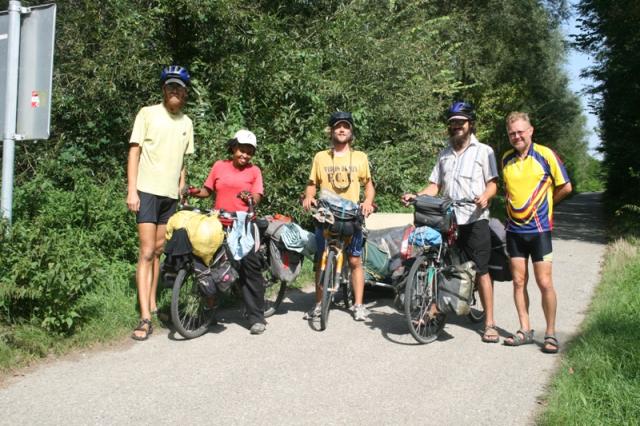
245	137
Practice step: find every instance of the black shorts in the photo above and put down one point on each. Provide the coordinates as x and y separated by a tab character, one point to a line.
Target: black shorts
155	209
535	244
474	239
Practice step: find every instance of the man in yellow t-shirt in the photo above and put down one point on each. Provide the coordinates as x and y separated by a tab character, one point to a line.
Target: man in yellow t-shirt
162	135
343	171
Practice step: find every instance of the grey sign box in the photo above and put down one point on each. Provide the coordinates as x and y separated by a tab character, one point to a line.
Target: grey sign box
37	35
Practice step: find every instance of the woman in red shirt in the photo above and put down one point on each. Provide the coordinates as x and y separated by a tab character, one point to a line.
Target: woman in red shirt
227	179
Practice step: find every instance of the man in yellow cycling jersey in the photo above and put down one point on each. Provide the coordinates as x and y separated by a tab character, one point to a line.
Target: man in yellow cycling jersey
535	179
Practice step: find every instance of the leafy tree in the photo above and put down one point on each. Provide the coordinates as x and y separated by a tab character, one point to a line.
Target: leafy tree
609	34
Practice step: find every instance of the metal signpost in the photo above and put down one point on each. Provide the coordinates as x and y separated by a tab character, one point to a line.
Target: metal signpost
26	62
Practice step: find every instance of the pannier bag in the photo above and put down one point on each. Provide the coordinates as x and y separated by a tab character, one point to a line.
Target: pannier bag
223	273
376	263
499	268
205	232
455	288
285	264
287	245
434	212
177	254
203	277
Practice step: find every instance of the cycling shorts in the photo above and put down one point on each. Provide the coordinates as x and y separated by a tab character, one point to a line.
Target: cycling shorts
353	249
155	209
535	244
474	240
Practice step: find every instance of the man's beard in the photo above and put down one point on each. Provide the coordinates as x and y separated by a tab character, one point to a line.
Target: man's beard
458	140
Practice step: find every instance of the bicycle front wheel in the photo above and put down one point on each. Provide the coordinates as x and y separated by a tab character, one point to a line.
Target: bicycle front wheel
328	275
419	297
191	313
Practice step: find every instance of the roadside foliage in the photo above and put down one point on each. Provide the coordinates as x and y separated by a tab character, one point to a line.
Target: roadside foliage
278	68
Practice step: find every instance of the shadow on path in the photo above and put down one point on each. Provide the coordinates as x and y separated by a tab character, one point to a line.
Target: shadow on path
580	218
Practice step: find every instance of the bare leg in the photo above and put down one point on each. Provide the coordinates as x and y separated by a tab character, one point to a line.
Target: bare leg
520	296
144	271
485	288
543	273
159	247
357	278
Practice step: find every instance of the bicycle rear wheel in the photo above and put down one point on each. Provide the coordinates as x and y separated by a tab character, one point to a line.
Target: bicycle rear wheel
273	294
420	295
190	313
328	275
476	314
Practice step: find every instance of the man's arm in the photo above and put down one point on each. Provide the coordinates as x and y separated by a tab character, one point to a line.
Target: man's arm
369	194
183	178
309	196
490	191
561	191
133	201
432	189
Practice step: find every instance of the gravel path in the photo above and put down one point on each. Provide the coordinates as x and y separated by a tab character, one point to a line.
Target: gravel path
356	373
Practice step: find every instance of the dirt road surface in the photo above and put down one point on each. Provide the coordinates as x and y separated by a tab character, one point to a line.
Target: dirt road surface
353	372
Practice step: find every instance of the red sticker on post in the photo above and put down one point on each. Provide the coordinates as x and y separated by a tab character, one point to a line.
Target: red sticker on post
35	99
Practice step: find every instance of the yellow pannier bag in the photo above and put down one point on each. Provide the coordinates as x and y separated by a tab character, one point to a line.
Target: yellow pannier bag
205	232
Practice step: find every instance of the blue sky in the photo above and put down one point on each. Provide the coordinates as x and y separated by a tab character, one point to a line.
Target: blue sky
576	62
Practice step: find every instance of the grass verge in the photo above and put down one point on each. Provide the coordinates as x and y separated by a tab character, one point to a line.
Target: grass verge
599	379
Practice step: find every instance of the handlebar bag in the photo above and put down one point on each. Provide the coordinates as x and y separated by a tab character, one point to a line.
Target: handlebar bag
434	212
345	213
455	288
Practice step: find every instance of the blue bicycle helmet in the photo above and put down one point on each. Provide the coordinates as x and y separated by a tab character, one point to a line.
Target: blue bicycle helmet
339	116
461	110
176	74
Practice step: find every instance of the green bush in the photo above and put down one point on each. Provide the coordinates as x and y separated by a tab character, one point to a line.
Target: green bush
62	245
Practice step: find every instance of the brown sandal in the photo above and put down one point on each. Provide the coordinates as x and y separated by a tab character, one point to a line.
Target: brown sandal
488	337
141	327
550	344
520	338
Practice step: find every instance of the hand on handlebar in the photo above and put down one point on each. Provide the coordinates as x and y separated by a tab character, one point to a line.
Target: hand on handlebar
481	201
407	198
245	196
309	202
367	208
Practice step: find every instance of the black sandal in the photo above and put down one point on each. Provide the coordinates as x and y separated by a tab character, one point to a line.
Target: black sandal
141	327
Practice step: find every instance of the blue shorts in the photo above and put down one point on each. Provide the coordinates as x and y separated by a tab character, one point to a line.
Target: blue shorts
353	249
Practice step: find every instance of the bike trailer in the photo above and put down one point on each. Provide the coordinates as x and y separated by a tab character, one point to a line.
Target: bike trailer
434	212
385	251
499	267
455	288
376	263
